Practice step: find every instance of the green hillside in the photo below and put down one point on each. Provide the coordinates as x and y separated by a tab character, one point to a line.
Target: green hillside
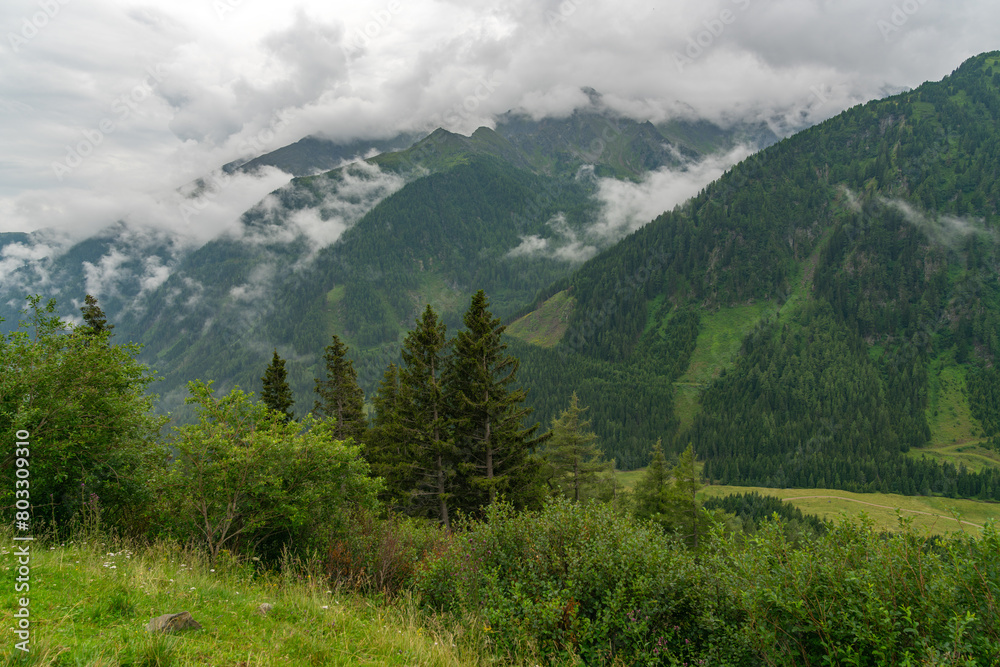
843	285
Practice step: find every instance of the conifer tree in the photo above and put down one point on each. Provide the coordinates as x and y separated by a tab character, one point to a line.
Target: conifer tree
276	394
93	316
687	510
496	450
573	453
386	447
340	397
423	416
653	492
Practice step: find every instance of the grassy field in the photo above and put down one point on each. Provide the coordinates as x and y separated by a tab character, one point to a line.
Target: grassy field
929	513
545	326
90	602
719	341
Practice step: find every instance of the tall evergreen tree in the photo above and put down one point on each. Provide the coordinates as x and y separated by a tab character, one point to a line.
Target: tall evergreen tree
386	447
577	461
93	316
423	413
488	414
276	394
687	509
653	492
340	396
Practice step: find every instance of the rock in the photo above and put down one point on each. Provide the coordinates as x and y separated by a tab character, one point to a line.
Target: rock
173	623
264	608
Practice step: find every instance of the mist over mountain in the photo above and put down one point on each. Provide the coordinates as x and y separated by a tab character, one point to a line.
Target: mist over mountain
358	249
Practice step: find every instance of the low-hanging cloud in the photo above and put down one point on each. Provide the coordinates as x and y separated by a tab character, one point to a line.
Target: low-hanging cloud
232	84
627	206
947	230
339	202
564	244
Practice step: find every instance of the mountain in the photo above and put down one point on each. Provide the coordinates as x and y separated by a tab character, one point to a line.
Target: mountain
311	155
356	250
826	314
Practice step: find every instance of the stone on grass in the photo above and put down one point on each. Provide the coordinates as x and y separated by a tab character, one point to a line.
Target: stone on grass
264	608
173	623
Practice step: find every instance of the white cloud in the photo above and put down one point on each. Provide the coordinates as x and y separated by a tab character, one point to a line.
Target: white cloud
160	94
627	206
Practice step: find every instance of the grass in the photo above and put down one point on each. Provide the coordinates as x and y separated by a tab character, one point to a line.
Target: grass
546	325
719	339
90	601
931	514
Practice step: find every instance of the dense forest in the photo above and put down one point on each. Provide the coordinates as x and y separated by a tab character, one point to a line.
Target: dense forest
874	237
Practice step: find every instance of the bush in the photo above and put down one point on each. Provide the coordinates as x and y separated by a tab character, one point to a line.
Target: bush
578	580
380	555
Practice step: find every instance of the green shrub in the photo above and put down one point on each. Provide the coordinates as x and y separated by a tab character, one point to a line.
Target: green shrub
379	555
577	580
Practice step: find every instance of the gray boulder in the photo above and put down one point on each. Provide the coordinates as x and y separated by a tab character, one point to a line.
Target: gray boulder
173	623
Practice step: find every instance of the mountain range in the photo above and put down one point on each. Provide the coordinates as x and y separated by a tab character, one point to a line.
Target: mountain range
825	314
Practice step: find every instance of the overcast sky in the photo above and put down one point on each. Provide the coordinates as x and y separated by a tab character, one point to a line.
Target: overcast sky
108	106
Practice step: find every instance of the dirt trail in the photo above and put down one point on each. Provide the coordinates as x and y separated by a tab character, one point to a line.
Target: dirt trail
888	507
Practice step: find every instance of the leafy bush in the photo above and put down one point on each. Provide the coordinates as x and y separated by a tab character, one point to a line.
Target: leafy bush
380	555
579	580
855	597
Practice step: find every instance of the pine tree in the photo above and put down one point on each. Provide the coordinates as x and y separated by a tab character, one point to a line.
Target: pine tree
687	510
386	447
653	492
573	453
276	394
340	397
93	316
497	452
423	415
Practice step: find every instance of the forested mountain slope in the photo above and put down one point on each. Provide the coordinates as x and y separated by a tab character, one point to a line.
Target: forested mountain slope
858	261
358	250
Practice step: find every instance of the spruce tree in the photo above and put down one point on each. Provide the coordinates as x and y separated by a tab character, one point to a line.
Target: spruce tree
340	397
653	493
276	394
496	450
93	316
573	453
386	447
424	418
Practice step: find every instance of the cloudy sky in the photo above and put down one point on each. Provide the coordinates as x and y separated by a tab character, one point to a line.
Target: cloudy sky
108	106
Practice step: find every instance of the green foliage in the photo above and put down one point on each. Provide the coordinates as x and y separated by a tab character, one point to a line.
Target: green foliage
984	401
243	475
488	415
577	464
380	555
83	402
94	317
753	509
276	394
340	397
653	492
579	581
425	417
